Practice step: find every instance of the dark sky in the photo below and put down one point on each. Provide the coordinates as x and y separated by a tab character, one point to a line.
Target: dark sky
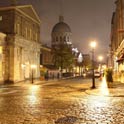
88	20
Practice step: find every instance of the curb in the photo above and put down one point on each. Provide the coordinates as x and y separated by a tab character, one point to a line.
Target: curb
111	92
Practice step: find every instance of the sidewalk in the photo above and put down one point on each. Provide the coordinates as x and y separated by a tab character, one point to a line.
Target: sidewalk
116	89
35	82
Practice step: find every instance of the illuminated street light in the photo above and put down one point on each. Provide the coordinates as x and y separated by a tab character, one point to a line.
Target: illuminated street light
32	71
100	58
93	45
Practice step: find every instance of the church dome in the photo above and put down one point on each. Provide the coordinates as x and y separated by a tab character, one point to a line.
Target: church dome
61	26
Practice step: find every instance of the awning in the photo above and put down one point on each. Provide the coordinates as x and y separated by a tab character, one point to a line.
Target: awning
121	58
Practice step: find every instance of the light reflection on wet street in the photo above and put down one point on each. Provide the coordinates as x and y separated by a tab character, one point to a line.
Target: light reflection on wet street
55	102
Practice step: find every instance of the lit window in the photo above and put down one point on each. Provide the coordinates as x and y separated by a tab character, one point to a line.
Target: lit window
1	18
18	28
64	38
68	39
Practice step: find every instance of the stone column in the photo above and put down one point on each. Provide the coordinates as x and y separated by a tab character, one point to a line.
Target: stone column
9	61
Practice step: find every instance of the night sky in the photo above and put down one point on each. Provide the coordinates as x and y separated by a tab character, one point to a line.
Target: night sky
88	20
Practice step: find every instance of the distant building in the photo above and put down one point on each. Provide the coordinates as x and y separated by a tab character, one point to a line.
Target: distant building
46	57
117	38
46	63
19	43
62	45
61	33
86	61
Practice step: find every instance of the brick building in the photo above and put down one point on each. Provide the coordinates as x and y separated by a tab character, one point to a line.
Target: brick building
117	38
46	57
20	27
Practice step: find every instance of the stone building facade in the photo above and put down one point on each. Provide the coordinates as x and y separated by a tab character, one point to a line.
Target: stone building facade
117	39
21	48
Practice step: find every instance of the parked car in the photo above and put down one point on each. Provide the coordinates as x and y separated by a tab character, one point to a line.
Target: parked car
97	74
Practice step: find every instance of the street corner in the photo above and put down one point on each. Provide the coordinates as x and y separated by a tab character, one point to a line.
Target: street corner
107	92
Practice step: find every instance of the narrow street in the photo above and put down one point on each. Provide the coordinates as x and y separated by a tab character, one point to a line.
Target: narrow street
58	102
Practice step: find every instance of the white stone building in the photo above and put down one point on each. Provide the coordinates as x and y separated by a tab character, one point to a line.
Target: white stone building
19	43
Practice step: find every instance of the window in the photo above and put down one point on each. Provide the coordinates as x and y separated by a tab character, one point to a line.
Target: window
56	39
36	37
18	28
1	18
60	39
68	39
64	38
30	34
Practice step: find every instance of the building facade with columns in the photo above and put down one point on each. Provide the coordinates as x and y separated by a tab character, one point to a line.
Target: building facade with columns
19	43
117	39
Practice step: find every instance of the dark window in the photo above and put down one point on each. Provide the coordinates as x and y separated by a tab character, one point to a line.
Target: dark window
41	59
60	39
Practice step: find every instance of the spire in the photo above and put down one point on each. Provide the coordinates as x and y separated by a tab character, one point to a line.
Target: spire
61	18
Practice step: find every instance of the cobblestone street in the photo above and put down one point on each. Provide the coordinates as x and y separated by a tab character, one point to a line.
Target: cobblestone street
60	102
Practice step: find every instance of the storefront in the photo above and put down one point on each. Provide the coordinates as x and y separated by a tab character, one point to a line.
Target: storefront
120	61
2	57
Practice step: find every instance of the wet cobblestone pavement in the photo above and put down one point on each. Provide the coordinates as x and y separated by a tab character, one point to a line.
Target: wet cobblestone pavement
60	102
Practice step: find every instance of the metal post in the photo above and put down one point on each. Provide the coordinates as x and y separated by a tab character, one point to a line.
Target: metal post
32	78
93	77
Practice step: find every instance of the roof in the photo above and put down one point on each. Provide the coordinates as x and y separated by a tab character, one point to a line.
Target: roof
61	27
121	58
51	67
27	10
44	47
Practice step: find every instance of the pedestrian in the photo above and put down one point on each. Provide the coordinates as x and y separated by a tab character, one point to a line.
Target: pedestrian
58	75
53	75
46	75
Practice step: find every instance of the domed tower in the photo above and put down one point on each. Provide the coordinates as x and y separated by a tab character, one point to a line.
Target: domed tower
61	33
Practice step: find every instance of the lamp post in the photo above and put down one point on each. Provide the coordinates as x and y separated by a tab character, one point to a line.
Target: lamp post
80	59
93	45
100	58
32	73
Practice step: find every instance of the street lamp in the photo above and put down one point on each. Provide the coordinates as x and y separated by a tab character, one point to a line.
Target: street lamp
100	58
93	45
32	73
